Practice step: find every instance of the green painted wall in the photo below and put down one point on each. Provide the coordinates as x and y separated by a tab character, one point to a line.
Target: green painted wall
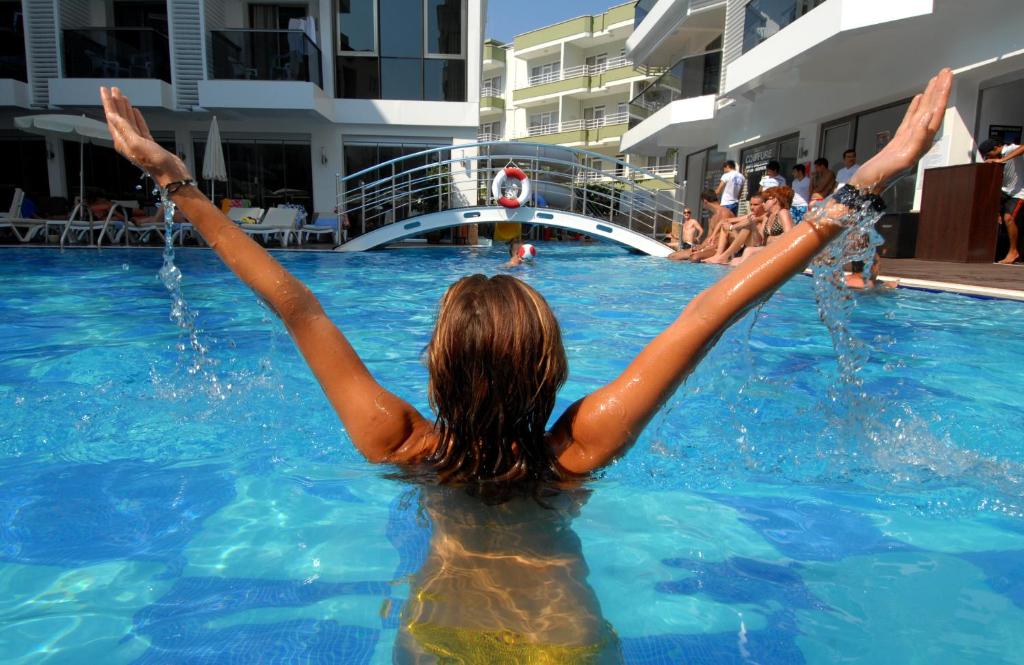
494	52
491	103
551	88
575	26
578	136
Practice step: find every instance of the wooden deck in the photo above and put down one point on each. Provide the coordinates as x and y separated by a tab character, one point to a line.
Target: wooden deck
975	274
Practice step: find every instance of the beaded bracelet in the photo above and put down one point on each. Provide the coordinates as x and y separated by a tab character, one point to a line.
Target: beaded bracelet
173	187
851	198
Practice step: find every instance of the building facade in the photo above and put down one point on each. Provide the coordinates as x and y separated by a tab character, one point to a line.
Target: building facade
795	80
567	84
303	90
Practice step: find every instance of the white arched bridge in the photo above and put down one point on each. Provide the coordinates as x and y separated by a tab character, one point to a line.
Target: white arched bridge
450	186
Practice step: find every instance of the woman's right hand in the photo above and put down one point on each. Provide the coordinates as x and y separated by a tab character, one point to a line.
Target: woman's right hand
133	140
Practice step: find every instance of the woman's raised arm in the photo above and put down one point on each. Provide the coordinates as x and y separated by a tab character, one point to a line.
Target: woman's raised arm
382	426
602	425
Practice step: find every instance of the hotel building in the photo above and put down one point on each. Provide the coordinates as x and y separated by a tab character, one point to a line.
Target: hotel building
794	80
302	90
568	84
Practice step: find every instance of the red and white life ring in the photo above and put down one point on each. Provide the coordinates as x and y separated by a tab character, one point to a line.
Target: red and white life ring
498	187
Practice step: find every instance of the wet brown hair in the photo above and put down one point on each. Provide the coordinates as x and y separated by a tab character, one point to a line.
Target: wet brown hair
496	362
783	194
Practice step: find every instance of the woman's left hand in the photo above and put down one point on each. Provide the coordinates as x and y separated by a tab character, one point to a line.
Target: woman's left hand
913	138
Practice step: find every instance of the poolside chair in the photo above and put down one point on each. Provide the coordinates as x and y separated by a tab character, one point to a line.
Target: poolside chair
278	222
141	231
80	224
24	228
322	225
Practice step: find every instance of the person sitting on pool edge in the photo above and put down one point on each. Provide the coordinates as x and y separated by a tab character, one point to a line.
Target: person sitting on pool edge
495	363
719	214
739	233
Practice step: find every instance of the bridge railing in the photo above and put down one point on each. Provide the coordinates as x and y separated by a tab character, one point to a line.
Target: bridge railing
454	177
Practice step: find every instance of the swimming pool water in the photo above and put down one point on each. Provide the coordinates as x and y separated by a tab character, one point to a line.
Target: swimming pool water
769	514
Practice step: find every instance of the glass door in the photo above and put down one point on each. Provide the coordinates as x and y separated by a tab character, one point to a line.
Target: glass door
836	138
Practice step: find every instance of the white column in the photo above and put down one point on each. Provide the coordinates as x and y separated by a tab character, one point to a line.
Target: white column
325	37
55	168
955	143
326	160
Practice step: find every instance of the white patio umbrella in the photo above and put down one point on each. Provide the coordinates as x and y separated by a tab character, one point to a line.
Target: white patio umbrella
213	157
72	128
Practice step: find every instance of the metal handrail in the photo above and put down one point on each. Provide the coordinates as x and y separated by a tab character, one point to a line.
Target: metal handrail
492	92
453	177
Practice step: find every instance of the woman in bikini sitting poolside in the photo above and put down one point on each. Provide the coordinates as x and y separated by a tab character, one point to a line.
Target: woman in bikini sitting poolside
776	222
504	580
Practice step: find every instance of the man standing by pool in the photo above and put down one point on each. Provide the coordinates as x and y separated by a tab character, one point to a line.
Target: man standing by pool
1010	156
730	186
850	167
823	181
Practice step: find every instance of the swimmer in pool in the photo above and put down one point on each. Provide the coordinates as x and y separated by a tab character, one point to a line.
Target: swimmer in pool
504	580
514	260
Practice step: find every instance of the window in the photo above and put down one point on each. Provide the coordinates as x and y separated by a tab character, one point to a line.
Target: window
491	129
401	78
544	118
597	62
358	78
401	29
593	116
493	83
401	49
24	166
763	18
357	26
544	73
444	80
444	23
106	172
265	171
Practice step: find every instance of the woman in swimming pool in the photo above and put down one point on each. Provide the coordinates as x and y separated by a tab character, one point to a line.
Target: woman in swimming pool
509	584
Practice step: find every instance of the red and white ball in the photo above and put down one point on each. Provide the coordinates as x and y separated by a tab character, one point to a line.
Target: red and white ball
527	252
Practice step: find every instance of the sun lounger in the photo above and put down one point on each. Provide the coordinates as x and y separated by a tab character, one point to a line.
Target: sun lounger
277	222
80	224
130	227
24	228
322	226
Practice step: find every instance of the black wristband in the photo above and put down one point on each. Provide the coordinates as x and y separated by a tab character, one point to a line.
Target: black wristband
851	198
173	187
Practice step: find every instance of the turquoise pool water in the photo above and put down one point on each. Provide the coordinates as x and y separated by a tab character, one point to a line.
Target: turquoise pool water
770	514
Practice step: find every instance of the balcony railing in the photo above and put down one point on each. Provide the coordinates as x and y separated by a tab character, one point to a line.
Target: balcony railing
484	137
265	55
492	92
576	125
12	53
588	70
134	53
764	18
693	76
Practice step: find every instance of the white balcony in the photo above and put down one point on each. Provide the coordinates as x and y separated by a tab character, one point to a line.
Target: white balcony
14	94
144	93
492	92
575	125
583	70
483	137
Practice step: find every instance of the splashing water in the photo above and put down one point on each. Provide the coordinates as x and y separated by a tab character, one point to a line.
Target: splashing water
198	364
